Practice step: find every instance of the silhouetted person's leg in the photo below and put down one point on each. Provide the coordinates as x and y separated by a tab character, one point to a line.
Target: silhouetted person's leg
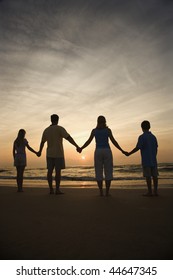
108	170
58	180
108	184
18	177
20	172
98	164
149	185
155	182
49	179
100	186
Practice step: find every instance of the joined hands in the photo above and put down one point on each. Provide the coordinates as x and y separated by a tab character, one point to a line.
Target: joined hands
125	153
79	150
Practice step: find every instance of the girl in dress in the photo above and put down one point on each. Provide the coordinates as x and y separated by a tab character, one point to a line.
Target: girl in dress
19	155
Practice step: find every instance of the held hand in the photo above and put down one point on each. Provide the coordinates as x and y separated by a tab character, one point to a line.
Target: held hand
38	153
125	153
79	150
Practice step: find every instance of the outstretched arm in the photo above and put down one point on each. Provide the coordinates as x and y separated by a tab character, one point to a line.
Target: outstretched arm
13	151
71	140
114	142
31	149
133	151
41	148
88	141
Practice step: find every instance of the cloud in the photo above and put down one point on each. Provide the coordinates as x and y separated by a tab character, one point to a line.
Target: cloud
84	58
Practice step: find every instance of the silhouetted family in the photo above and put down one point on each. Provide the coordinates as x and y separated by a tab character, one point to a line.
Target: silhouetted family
103	158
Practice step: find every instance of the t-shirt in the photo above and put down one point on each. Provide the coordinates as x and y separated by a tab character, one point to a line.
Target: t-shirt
54	135
102	138
147	143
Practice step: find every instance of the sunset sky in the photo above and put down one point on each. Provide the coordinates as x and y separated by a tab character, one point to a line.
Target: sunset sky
81	59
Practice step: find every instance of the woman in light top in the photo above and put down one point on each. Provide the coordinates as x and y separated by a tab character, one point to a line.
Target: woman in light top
19	155
103	159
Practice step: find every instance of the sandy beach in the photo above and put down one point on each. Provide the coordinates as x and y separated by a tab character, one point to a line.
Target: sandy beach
82	225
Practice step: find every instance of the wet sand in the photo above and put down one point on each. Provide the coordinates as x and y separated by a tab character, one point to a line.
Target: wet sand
82	225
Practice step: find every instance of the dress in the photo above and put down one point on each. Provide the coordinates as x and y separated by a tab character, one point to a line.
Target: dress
20	155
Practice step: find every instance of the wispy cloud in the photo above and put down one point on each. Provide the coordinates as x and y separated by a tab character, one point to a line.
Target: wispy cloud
84	58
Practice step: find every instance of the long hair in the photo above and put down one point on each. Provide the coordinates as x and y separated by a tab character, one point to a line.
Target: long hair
20	137
101	122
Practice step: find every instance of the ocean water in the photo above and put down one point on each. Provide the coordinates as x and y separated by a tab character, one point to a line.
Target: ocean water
123	174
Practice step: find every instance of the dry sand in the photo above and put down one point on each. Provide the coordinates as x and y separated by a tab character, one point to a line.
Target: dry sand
82	225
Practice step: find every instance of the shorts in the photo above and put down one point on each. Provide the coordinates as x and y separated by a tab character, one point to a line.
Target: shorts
103	161
150	171
57	163
20	160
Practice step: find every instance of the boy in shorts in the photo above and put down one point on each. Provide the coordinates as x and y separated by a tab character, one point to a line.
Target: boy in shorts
147	144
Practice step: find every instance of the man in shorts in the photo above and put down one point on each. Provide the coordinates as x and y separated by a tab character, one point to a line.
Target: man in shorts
54	135
147	144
